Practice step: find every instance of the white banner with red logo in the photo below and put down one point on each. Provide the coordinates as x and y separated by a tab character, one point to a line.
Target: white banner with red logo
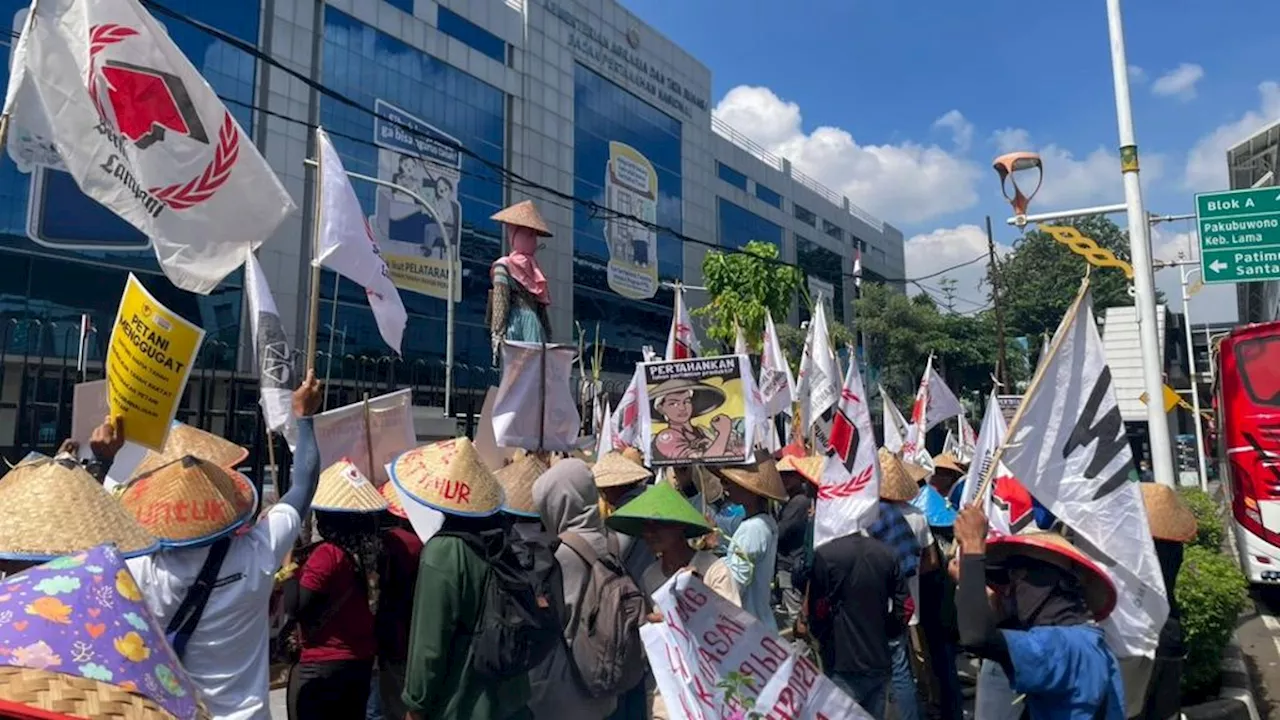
818	385
682	344
142	133
1007	504
849	495
777	387
626	417
895	426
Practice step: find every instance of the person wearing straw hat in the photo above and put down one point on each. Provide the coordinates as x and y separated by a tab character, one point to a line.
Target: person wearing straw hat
1172	525
619	478
947	471
449	482
1045	636
331	599
519	298
752	554
400	549
201	511
801	473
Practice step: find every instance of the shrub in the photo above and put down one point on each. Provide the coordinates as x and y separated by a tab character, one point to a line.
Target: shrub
1212	593
1209	517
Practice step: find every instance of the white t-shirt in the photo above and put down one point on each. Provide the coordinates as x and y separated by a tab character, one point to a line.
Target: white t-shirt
924	537
227	654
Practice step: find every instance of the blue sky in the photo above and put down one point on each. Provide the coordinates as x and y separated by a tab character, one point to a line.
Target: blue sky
916	102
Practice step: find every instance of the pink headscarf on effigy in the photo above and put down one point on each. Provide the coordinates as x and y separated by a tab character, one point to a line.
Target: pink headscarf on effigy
523	265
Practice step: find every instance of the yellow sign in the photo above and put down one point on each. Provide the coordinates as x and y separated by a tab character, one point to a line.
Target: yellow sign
1171	399
429	276
148	363
1087	248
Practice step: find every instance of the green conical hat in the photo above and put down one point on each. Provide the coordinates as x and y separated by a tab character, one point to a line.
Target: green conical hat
658	503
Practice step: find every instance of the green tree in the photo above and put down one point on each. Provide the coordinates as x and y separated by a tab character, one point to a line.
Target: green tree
1040	278
743	286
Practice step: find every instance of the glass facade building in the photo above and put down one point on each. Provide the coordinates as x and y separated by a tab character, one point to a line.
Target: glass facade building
576	104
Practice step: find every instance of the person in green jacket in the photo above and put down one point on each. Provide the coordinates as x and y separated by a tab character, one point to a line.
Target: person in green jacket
449	479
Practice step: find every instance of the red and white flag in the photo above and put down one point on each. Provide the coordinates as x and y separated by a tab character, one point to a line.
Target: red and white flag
777	387
1006	502
142	133
626	417
740	346
347	246
849	496
934	403
682	344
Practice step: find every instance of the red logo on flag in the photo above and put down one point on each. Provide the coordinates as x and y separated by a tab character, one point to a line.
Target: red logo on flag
1011	497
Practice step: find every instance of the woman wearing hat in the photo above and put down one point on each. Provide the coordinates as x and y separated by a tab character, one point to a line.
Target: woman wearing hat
332	600
752	554
679	401
1172	525
1052	598
519	298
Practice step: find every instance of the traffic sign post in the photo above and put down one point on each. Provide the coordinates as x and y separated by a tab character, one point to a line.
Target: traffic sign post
1239	235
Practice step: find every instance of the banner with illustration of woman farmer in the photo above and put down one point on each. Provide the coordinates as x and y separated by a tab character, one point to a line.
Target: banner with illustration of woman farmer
699	411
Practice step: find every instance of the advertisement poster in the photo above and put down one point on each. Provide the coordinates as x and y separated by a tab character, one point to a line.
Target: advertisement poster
148	363
415	239
631	188
696	411
341	433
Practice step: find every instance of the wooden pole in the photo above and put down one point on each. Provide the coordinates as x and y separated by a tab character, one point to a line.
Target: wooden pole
368	438
317	216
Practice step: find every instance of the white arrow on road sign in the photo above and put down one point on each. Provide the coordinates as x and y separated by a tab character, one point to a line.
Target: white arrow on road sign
1218	266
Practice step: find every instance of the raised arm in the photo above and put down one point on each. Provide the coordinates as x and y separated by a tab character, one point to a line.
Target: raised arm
306	458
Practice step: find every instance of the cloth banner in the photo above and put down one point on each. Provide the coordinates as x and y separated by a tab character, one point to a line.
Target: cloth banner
271	349
849	494
142	133
1006	502
740	346
817	386
895	426
682	343
699	411
777	386
341	433
626	417
1069	448
536	376
703	638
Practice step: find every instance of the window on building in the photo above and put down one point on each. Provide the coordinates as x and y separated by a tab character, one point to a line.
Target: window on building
804	215
769	196
739	226
454	25
832	230
731	176
823	269
405	5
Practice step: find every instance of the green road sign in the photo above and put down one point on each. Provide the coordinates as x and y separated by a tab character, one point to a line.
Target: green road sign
1239	235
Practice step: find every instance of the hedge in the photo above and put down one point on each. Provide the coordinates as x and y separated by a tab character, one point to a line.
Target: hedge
1212	593
1209	516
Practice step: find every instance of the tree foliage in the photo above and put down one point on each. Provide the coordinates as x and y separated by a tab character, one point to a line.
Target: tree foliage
1040	278
743	286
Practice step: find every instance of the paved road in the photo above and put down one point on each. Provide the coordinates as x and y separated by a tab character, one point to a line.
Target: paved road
1259	635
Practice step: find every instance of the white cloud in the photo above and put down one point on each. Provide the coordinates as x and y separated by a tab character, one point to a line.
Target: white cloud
1179	82
1207	161
944	248
1071	180
903	184
961	129
1137	75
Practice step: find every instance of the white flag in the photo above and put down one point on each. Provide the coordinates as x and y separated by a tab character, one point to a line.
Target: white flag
776	384
951	445
142	133
536	375
626	417
817	385
682	344
347	246
895	426
740	341
849	496
914	448
1070	450
968	438
271	348
605	432
942	403
1006	502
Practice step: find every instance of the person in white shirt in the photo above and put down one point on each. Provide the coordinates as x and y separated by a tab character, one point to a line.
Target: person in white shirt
227	653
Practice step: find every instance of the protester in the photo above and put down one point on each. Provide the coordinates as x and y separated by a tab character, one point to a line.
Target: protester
1172	524
937	607
567	501
454	569
104	442
907	539
332	599
397	576
801	474
947	471
753	550
1054	653
227	650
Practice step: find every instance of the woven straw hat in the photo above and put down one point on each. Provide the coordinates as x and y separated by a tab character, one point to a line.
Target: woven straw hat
704	397
760	477
895	484
615	470
1050	547
187	440
395	505
190	501
450	477
917	473
523	214
1169	517
947	461
808	467
343	488
50	508
659	503
517	480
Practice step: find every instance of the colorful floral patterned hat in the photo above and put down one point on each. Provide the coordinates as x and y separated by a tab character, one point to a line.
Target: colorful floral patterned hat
77	641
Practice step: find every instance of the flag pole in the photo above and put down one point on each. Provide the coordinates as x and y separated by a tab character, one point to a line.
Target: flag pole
313	314
368	438
1058	339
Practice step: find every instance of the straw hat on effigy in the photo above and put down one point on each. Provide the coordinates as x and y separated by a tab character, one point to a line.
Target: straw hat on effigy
517	479
344	489
450	477
760	476
1167	515
617	469
659	503
190	501
1050	547
186	440
896	484
69	654
523	214
50	508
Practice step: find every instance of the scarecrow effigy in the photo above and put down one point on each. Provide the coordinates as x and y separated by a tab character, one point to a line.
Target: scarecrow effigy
519	298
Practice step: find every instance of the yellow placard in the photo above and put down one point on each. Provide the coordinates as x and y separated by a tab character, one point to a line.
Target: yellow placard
1171	399
148	363
429	276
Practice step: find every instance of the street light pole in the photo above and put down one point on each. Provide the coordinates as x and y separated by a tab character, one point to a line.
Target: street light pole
1140	252
1195	377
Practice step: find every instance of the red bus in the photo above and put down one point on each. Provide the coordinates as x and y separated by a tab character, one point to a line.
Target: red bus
1248	430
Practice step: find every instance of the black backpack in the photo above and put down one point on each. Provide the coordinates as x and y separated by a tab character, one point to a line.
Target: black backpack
520	619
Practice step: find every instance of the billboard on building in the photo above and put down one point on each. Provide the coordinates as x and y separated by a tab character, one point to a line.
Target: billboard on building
631	190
